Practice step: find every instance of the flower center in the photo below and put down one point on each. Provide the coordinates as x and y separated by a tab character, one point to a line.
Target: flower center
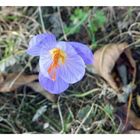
58	57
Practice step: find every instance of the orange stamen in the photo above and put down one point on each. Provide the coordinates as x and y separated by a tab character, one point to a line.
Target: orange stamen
58	57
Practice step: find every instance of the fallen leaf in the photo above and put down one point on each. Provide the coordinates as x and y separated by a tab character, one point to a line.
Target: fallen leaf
36	87
12	81
134	120
105	59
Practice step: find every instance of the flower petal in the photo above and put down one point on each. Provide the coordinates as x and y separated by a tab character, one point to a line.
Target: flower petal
83	51
66	47
45	41
45	62
46	59
73	69
55	87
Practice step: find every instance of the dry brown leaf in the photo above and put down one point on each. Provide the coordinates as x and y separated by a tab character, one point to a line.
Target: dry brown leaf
12	81
134	120
105	59
36	87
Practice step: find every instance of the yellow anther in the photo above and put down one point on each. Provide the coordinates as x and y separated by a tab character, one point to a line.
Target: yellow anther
58	57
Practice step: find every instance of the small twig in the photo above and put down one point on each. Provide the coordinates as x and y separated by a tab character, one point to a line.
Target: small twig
21	105
134	43
132	25
12	83
9	124
128	110
61	22
85	118
71	113
79	24
86	93
41	19
61	117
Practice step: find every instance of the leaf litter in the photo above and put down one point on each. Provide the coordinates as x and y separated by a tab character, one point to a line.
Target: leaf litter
105	59
70	105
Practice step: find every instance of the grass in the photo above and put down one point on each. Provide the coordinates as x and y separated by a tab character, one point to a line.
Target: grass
83	108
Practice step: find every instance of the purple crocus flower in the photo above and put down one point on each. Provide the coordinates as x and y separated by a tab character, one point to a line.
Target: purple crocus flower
61	63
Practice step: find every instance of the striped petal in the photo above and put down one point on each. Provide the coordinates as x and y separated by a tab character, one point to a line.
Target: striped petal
83	51
66	47
45	62
73	69
45	41
54	87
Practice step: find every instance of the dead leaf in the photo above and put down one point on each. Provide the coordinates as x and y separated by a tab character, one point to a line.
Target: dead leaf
105	59
36	87
134	120
12	81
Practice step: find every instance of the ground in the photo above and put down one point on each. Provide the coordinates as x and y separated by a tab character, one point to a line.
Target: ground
87	106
